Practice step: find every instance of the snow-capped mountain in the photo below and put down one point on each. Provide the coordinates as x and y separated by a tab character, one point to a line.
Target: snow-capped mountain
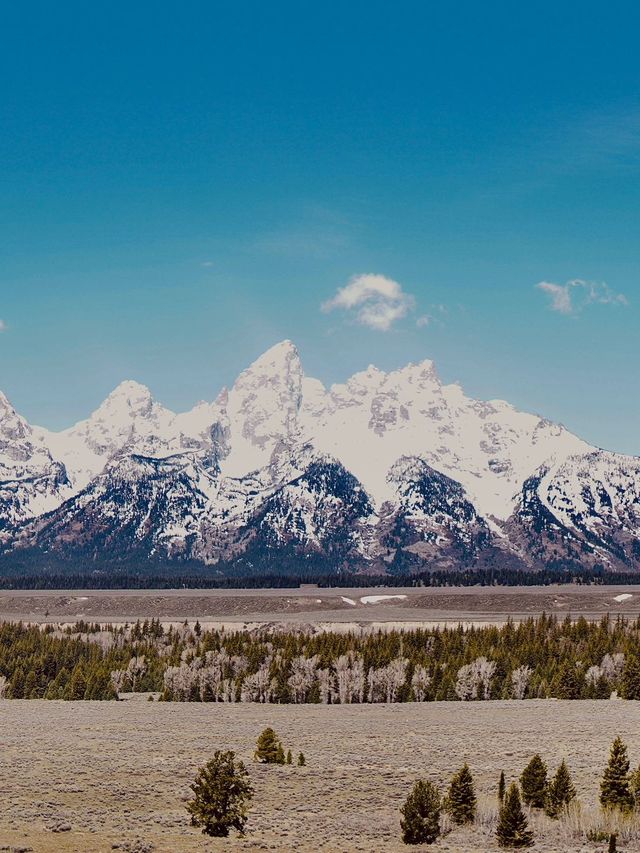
385	471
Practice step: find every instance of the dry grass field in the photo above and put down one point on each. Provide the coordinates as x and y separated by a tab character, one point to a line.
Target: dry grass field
85	776
332	607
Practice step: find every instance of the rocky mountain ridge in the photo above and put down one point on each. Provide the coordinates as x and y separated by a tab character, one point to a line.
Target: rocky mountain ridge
386	472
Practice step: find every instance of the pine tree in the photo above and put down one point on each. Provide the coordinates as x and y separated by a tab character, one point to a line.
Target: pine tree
513	827
534	782
289	757
267	747
560	791
222	792
301	760
634	781
280	759
630	686
420	821
461	798
615	788
501	787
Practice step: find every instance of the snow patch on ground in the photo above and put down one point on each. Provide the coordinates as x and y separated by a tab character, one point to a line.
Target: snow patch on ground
348	601
624	596
376	599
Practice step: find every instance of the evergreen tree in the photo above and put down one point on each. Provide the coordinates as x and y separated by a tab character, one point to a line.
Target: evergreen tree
280	758
534	782
461	798
513	827
560	791
289	757
420	820
615	788
634	781
223	791
630	686
501	787
267	747
301	760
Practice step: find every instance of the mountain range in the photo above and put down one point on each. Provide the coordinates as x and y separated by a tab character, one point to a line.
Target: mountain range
388	472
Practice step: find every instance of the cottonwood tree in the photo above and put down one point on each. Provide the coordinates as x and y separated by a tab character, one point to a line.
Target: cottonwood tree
520	679
420	681
136	669
474	680
259	687
349	671
326	685
302	678
386	681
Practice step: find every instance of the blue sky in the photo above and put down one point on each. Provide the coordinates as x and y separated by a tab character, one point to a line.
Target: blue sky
183	185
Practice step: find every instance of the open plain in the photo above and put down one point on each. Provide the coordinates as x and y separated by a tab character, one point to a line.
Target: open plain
348	608
85	776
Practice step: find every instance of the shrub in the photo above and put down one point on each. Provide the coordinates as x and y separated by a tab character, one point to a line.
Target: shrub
420	821
301	760
222	792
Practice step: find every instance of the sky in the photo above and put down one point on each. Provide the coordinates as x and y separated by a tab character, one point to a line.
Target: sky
184	185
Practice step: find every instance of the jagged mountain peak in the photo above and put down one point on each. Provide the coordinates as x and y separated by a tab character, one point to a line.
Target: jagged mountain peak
389	466
130	397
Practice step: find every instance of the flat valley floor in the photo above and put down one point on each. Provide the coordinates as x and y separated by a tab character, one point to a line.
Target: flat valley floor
336	609
85	776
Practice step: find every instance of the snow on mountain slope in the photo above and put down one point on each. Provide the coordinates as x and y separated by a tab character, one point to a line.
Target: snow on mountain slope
375	418
263	409
31	481
380	470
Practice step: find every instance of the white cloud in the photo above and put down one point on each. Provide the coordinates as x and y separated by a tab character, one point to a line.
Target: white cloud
3	326
375	300
572	297
423	321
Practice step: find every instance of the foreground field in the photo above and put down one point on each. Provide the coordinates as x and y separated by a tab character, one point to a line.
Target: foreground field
118	773
335	608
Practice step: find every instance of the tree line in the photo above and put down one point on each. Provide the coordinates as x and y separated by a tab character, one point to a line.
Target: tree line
538	658
197	576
